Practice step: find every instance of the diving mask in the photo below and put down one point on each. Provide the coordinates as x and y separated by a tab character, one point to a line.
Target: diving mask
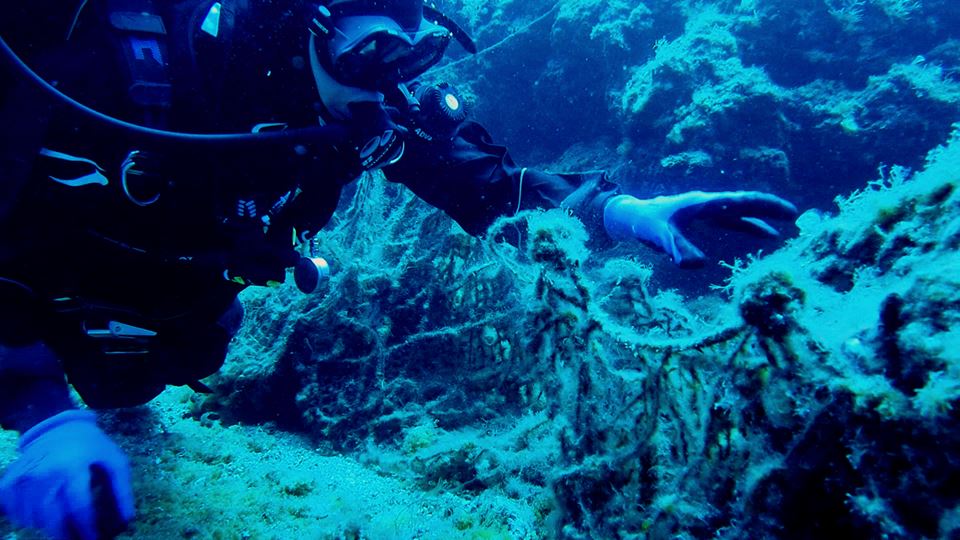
374	51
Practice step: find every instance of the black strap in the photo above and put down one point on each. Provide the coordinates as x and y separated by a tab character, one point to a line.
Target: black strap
209	55
141	37
25	119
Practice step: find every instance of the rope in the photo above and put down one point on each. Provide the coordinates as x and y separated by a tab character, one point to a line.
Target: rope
500	43
523	172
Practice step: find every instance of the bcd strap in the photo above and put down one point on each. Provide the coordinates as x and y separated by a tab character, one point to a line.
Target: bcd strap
25	120
142	39
211	47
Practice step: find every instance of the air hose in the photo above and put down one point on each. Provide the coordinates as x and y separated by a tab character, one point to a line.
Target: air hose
324	135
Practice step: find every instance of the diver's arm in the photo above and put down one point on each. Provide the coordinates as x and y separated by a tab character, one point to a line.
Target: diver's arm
69	479
32	385
476	181
29	401
32	382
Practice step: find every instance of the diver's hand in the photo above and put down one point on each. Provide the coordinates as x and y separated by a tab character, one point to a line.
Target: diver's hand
70	480
657	222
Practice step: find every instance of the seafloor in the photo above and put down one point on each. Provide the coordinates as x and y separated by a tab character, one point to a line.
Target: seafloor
447	387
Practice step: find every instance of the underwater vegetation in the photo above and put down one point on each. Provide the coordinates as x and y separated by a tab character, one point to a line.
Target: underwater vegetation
768	94
540	383
802	98
814	395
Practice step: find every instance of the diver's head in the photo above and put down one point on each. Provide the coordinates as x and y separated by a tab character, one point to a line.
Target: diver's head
377	44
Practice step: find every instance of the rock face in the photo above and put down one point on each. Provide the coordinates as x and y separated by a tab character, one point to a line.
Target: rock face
775	94
815	395
861	308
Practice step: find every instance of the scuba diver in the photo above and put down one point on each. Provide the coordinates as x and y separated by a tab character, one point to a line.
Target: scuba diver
159	156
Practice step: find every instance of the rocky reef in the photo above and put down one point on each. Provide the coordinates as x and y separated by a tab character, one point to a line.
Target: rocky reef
767	94
811	393
526	385
806	99
814	395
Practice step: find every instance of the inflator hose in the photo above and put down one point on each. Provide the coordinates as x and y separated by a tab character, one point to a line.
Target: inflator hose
322	135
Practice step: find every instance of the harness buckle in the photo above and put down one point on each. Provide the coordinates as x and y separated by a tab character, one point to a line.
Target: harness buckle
121	339
119	330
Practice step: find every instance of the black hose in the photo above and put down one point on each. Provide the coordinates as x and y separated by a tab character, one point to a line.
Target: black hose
324	135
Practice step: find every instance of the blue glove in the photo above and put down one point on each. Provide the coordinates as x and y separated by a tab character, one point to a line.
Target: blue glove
70	480
657	222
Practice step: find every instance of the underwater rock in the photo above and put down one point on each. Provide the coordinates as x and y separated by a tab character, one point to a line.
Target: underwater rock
880	347
815	396
824	86
819	400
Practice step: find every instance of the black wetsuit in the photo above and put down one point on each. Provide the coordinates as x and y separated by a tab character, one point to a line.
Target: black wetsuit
74	258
